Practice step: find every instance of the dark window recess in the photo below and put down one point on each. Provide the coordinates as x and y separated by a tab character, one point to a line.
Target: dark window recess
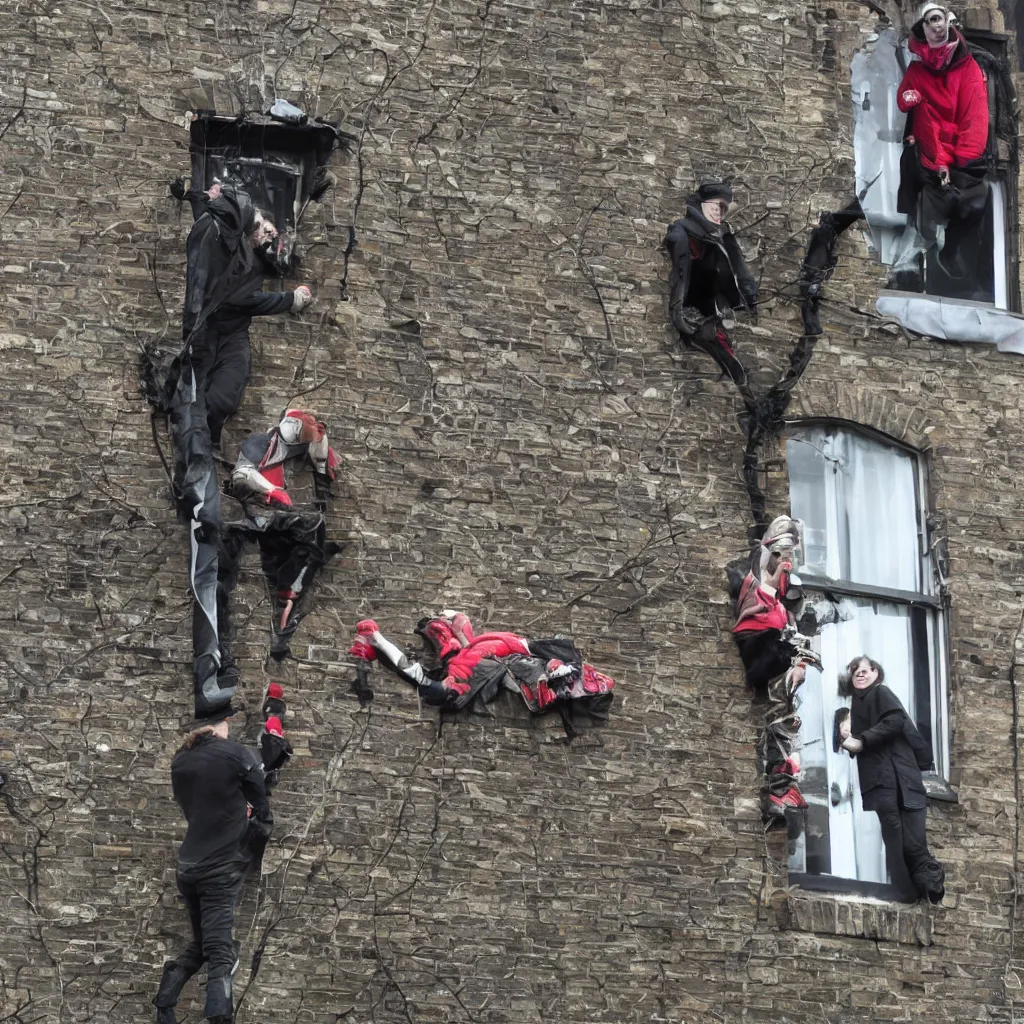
1013	14
281	166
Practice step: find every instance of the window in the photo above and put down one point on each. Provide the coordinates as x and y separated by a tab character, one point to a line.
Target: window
871	583
276	163
983	267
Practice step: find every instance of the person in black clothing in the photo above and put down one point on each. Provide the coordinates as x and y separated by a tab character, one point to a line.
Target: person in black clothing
890	755
709	276
221	789
222	294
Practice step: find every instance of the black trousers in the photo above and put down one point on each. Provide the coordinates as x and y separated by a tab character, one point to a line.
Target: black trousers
221	367
912	868
210	899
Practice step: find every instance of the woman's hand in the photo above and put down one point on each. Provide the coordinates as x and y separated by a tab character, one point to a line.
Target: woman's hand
844	728
853	745
911	97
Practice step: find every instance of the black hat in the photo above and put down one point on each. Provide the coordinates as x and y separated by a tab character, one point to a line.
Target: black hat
709	190
218	713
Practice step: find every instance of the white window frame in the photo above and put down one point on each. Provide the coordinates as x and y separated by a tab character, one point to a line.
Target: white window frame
929	596
878	124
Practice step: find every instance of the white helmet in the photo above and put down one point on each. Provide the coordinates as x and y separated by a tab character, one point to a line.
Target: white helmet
926	8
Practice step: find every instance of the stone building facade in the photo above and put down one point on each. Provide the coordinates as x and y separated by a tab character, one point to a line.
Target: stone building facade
523	439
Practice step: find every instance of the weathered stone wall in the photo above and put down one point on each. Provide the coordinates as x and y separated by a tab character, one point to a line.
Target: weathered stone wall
537	452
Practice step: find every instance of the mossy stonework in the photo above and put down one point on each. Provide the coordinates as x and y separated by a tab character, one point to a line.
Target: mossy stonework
523	439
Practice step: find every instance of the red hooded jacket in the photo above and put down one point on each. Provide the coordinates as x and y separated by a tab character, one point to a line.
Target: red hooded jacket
950	123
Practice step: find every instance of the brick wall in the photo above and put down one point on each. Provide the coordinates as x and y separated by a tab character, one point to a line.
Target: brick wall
537	453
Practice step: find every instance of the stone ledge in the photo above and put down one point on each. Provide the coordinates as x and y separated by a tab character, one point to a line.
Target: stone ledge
859	916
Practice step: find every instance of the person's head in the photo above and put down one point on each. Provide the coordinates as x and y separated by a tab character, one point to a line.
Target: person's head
933	23
263	229
715	197
863	672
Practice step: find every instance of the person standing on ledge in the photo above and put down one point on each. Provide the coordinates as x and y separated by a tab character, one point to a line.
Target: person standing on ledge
890	754
943	93
220	787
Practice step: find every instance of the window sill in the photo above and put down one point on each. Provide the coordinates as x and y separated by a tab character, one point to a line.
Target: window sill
955	319
856	915
939	789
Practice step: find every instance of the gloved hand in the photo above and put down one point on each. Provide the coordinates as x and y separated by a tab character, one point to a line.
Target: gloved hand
278	497
362	650
558	669
367	627
301	298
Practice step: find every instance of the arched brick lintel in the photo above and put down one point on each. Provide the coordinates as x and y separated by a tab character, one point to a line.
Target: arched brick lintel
908	424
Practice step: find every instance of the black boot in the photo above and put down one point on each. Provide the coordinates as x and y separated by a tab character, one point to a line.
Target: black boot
172	981
219	1008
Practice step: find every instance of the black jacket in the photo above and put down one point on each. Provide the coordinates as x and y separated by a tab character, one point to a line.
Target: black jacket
213	781
709	272
894	751
223	283
221	263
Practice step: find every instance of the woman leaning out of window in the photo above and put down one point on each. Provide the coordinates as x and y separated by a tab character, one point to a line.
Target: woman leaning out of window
890	754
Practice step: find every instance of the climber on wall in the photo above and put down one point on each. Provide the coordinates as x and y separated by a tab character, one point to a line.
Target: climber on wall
221	789
293	542
775	657
709	276
942	171
205	386
459	668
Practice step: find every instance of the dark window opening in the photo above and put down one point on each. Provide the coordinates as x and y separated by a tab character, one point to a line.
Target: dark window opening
279	165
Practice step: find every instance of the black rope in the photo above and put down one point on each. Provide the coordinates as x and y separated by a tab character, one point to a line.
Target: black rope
766	415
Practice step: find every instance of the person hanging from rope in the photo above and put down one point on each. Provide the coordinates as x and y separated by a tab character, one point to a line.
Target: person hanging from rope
205	386
942	171
775	658
709	277
221	789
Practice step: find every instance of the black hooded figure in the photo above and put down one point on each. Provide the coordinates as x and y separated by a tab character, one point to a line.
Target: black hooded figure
222	294
709	276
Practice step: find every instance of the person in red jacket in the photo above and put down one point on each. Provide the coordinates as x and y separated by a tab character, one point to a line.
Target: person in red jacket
946	100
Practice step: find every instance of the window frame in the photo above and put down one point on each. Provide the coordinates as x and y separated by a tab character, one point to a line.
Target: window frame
933	596
1003	179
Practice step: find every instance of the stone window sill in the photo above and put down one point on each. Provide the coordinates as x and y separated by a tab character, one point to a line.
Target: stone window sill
863	917
955	319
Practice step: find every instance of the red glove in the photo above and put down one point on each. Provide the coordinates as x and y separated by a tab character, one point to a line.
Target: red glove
279	496
333	462
367	627
361	649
